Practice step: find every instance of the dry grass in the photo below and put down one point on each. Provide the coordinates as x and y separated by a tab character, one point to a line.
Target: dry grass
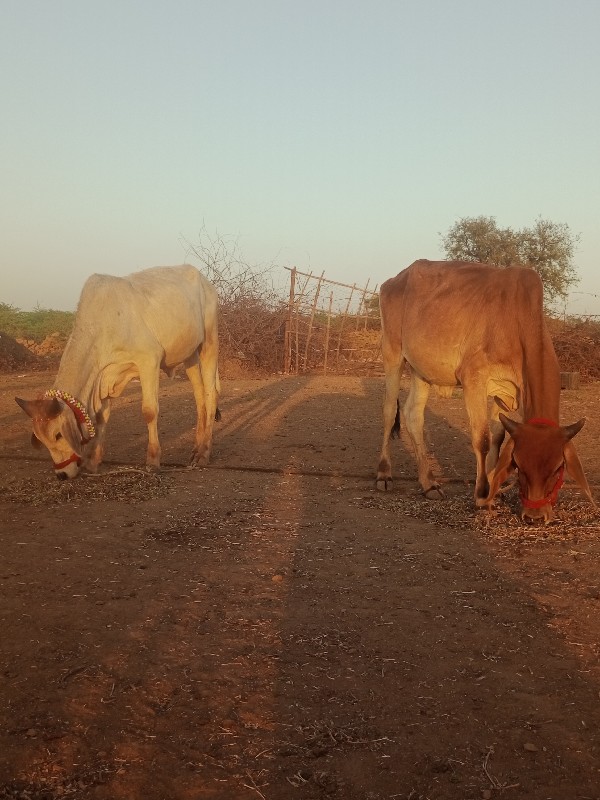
132	486
575	518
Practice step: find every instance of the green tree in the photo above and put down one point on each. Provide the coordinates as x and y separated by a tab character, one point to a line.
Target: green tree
548	247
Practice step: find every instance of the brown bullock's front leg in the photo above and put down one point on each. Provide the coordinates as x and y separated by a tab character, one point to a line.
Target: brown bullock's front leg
503	469
475	397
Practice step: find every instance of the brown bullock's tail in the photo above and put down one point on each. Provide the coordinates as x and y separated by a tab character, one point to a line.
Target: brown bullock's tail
395	432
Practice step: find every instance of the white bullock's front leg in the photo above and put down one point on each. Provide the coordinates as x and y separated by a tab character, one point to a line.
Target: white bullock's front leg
149	375
94	451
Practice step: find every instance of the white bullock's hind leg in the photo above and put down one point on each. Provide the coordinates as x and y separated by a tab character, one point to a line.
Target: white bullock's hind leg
414	414
204	379
393	373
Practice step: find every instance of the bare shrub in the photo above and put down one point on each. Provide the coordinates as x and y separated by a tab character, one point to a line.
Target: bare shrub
252	311
577	345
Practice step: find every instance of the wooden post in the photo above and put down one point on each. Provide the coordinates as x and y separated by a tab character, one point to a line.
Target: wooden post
326	348
288	325
298	302
337	357
361	304
569	380
312	317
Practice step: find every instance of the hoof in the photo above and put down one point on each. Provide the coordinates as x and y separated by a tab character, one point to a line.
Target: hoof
384	484
484	504
197	460
434	493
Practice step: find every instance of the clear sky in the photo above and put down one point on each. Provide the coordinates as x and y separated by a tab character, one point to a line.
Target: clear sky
332	135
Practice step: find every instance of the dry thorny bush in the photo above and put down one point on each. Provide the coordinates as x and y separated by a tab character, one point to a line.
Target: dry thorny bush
252	311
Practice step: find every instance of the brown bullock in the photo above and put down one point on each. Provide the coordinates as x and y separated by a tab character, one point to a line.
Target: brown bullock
127	328
480	327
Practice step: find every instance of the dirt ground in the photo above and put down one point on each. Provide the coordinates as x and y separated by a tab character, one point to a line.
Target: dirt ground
273	627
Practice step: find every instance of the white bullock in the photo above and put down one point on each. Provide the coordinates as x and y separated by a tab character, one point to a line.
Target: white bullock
127	328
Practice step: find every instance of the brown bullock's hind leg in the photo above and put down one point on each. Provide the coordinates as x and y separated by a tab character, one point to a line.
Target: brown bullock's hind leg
414	414
393	371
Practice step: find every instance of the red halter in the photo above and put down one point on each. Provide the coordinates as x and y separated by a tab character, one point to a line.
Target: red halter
70	460
552	497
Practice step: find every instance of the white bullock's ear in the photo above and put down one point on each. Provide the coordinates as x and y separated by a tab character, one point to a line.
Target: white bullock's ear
510	425
570	431
35	442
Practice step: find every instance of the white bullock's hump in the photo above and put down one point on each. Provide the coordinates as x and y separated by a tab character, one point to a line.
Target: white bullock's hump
152	281
149	276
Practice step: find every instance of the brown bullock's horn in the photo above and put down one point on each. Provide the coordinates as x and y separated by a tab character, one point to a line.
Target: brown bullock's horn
570	431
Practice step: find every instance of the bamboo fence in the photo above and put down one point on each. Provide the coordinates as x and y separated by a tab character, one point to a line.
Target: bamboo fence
324	323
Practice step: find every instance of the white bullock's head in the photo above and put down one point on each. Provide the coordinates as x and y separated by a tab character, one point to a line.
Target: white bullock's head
56	427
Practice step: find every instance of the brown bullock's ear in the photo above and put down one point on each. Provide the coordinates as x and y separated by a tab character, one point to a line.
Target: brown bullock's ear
575	470
35	442
570	431
510	425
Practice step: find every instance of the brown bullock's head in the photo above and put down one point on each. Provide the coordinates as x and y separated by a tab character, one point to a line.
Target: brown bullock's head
55	427
540	451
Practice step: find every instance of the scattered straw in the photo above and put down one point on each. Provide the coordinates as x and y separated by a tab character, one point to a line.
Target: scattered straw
575	517
130	485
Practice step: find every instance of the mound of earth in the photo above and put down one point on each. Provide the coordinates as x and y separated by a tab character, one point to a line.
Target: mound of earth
13	355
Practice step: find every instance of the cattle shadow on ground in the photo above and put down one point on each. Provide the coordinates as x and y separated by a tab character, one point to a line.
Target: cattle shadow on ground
282	424
276	634
279	415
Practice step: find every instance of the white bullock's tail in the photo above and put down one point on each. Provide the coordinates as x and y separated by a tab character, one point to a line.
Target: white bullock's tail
218	387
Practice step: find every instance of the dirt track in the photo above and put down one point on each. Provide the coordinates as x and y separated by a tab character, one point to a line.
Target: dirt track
272	627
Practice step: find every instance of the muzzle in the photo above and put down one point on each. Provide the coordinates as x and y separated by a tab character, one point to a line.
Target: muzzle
550	498
70	460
